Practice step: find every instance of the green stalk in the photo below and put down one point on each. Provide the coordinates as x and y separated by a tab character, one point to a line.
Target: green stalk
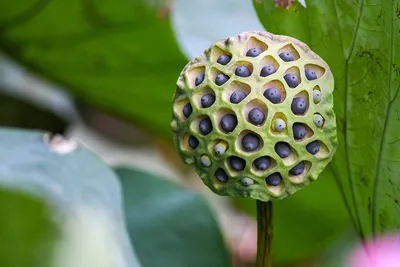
264	234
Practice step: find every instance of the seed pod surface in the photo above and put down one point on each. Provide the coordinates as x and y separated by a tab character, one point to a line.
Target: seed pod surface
239	90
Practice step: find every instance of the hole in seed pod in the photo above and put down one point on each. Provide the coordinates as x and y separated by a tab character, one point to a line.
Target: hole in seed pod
301	131
288	53
263	164
254	47
313	72
292	77
298	173
218	77
275	183
189	142
268	66
242	69
183	109
236	163
220	56
255	112
287	153
300	103
195	76
221	175
249	142
236	92
202	125
279	124
318	120
317	95
245	181
274	91
204	97
205	160
226	120
318	149
219	147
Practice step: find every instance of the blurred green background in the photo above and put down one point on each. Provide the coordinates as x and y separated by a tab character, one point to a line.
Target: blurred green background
104	72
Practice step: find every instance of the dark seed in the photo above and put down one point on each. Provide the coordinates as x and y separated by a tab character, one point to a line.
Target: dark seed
187	110
282	149
199	79
313	147
237	97
291	80
311	75
274	179
205	126
237	163
193	142
250	142
253	52
262	163
223	59
221	175
273	95
221	79
299	131
298	169
286	56
229	122
267	70
243	71
207	100
299	105
256	116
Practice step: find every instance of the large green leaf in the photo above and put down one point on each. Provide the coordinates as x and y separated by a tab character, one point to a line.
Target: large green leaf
170	225
360	41
26	230
81	192
117	55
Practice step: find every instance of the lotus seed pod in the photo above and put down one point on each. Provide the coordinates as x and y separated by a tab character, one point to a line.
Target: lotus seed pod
256	116
311	74
299	106
286	56
223	59
316	96
221	79
207	100
237	163
243	71
291	80
256	132
193	142
205	126
279	125
318	120
250	142
299	131
273	95
253	52
199	79
237	97
187	110
262	163
246	181
229	122
267	70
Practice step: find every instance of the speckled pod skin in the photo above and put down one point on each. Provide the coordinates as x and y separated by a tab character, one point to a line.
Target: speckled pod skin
214	150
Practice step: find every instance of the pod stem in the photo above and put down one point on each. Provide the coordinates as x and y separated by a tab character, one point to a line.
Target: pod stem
264	234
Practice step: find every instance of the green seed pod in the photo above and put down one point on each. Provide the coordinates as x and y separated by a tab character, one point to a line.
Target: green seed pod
248	123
